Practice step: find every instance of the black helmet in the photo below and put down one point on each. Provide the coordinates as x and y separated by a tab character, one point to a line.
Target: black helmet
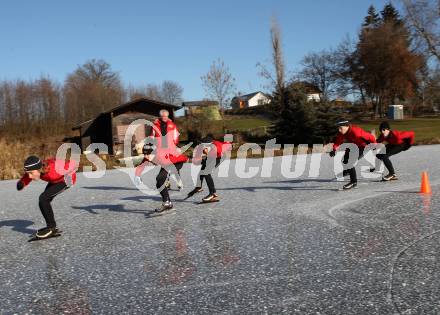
384	125
32	163
207	139
148	148
342	122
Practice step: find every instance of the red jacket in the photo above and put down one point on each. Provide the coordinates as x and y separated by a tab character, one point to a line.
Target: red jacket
355	135
168	153
222	147
49	173
397	137
165	154
172	132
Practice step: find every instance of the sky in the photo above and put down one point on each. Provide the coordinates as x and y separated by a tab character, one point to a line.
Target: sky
151	41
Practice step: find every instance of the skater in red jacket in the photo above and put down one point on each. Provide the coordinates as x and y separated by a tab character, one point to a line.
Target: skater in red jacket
165	153
59	174
395	142
350	133
210	158
165	126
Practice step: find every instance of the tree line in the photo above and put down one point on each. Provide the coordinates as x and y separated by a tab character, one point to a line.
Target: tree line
390	62
394	59
385	65
44	106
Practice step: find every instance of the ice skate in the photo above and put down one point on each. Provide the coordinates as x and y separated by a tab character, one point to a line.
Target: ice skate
211	198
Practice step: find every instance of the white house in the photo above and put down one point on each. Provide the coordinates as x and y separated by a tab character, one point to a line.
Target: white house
315	97
312	91
250	100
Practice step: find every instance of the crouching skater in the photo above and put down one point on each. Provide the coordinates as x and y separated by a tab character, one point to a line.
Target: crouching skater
350	133
164	153
395	142
210	158
60	175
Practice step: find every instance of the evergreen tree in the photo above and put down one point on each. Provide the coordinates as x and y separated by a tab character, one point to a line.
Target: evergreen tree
372	19
383	63
295	122
391	15
325	129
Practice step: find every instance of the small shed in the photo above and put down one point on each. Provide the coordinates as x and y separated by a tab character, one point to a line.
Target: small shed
109	127
395	112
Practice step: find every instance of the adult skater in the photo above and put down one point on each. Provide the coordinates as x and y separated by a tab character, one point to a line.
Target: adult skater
212	152
165	153
350	133
165	126
58	181
396	142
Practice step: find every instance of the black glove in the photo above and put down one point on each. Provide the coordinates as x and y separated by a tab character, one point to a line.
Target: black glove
147	149
20	185
332	153
406	144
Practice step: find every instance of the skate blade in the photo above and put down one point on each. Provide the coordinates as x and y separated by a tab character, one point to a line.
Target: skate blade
35	234
390	180
342	189
34	238
212	201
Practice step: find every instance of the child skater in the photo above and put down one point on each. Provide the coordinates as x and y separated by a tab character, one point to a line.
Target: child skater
58	181
396	142
212	152
350	133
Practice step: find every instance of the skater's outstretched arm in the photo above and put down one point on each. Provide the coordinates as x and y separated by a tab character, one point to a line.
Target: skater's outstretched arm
380	139
408	137
368	137
338	141
23	182
148	159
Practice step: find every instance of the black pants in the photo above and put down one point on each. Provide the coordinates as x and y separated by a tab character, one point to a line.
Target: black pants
385	158
352	171
208	168
163	176
46	198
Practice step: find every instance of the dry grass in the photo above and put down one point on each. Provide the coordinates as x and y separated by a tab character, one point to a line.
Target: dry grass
13	152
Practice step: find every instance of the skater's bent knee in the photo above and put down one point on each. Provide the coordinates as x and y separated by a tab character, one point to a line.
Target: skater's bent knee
43	198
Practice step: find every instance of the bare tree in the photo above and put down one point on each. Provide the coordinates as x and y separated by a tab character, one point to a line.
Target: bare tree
133	92
31	106
424	19
277	75
345	75
152	91
219	84
171	92
320	69
90	89
277	54
168	92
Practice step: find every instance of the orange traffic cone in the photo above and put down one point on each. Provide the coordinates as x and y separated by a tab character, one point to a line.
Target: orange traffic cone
425	187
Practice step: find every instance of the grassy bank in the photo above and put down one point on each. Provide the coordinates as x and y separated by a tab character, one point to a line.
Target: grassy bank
427	130
13	151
